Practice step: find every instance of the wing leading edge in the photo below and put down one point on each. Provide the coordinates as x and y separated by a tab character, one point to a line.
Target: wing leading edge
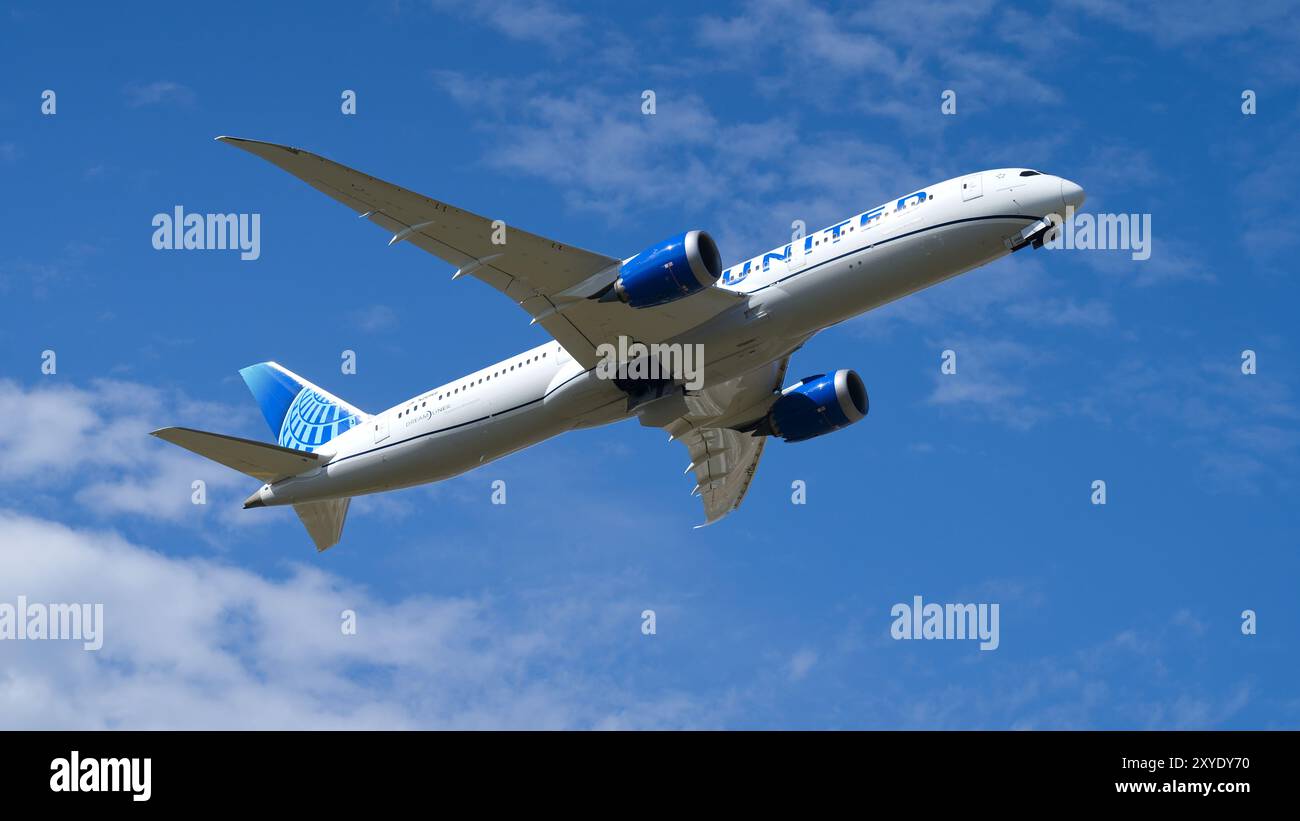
548	279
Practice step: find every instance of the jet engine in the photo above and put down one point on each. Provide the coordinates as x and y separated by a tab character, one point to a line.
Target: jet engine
816	405
672	269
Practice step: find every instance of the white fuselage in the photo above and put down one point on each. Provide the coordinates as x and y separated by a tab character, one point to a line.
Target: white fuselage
791	292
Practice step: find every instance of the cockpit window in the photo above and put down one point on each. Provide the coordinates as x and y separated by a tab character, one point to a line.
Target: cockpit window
1029	173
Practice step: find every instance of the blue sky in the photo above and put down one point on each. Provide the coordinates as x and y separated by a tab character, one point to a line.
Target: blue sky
1073	366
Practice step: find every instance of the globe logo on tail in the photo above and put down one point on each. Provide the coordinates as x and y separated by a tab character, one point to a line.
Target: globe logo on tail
313	420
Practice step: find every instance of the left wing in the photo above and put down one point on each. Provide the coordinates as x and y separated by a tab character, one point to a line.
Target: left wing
724	460
548	279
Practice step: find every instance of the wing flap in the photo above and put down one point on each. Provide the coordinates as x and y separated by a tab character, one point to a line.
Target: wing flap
724	460
724	463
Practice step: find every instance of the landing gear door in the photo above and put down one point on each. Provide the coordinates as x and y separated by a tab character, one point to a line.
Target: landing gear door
971	187
380	425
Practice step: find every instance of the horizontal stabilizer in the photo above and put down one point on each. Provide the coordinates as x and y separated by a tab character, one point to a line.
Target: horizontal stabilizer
324	520
256	459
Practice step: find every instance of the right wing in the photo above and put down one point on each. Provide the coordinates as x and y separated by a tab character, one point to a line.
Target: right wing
548	279
724	460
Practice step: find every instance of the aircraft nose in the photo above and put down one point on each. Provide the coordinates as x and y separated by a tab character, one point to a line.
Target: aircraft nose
1071	194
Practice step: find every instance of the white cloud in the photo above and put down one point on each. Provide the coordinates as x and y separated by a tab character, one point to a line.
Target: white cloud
1266	168
1243	430
139	95
996	77
523	20
743	181
93	443
375	318
876	59
821	38
1194	20
1172	261
801	663
199	644
1063	312
991	380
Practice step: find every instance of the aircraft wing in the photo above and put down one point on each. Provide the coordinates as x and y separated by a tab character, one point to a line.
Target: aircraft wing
548	279
724	460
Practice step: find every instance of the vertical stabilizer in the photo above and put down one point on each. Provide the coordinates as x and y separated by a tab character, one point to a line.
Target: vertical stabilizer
301	415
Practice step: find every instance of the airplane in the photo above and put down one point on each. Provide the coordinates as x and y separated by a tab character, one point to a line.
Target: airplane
746	321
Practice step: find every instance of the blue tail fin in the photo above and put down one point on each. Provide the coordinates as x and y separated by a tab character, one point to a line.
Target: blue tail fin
301	415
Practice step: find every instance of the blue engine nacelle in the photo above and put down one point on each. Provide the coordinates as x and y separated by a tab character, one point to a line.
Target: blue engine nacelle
816	405
677	267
